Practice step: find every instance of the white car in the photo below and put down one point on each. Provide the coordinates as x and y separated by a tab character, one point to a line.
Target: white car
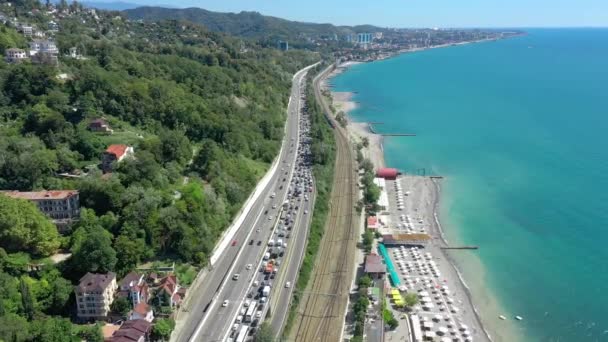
305	211
225	303
273	195
287	284
236	276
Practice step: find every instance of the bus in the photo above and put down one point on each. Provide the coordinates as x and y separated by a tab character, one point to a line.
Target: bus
250	312
242	334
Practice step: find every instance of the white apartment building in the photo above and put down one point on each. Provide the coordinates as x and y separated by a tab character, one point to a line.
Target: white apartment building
95	294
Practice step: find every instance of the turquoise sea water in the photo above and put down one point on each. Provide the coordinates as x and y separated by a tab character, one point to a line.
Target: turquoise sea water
520	129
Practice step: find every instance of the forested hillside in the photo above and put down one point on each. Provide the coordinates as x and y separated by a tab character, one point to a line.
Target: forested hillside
204	112
248	24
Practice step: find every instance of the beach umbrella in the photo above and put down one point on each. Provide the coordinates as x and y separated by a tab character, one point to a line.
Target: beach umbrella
454	309
437	318
446	339
466	333
463	327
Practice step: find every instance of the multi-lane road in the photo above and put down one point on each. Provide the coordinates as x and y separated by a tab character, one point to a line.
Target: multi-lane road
216	302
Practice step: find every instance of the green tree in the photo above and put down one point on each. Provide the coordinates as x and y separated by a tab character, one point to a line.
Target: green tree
27	300
410	299
368	240
24	228
264	334
14	328
95	253
53	329
365	281
121	306
161	331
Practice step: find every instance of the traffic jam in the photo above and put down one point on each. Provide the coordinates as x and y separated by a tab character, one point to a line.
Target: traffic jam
300	188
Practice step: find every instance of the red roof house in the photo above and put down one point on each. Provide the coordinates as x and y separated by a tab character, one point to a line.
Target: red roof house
115	153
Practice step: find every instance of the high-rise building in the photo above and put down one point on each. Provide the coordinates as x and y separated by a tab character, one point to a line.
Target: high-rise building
364	38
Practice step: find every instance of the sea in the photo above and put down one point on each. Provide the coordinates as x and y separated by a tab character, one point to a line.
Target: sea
518	128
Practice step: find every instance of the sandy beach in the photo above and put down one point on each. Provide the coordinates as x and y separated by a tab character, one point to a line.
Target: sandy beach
423	204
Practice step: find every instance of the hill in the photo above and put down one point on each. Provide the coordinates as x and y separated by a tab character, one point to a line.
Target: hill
246	24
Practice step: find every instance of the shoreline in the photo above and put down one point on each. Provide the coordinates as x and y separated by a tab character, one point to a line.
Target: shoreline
342	101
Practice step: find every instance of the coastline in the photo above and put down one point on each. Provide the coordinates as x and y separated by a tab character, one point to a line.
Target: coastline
343	101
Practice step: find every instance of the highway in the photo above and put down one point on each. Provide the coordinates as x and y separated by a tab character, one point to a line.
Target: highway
207	319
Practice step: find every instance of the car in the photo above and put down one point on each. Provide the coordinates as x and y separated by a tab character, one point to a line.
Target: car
225	303
288	235
243	311
239	319
235	327
256	283
270	218
234	242
263	300
249	266
274	206
273	195
305	211
236	276
259	242
287	284
250	295
251	242
258	314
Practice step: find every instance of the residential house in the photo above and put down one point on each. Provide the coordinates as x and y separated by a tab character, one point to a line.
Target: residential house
133	286
115	153
14	55
53	26
133	331
73	53
167	293
98	125
62	206
141	311
95	294
43	45
374	266
27	30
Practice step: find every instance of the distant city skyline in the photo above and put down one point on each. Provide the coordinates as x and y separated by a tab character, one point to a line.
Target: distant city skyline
417	13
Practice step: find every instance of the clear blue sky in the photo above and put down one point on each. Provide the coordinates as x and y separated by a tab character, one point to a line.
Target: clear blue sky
419	13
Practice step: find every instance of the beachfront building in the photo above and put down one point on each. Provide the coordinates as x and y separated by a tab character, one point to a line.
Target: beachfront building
374	267
95	294
387	173
390	240
61	206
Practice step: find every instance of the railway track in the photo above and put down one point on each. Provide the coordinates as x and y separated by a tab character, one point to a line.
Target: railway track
322	308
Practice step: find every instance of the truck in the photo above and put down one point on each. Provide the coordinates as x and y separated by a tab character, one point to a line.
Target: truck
268	267
242	334
266	291
250	312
